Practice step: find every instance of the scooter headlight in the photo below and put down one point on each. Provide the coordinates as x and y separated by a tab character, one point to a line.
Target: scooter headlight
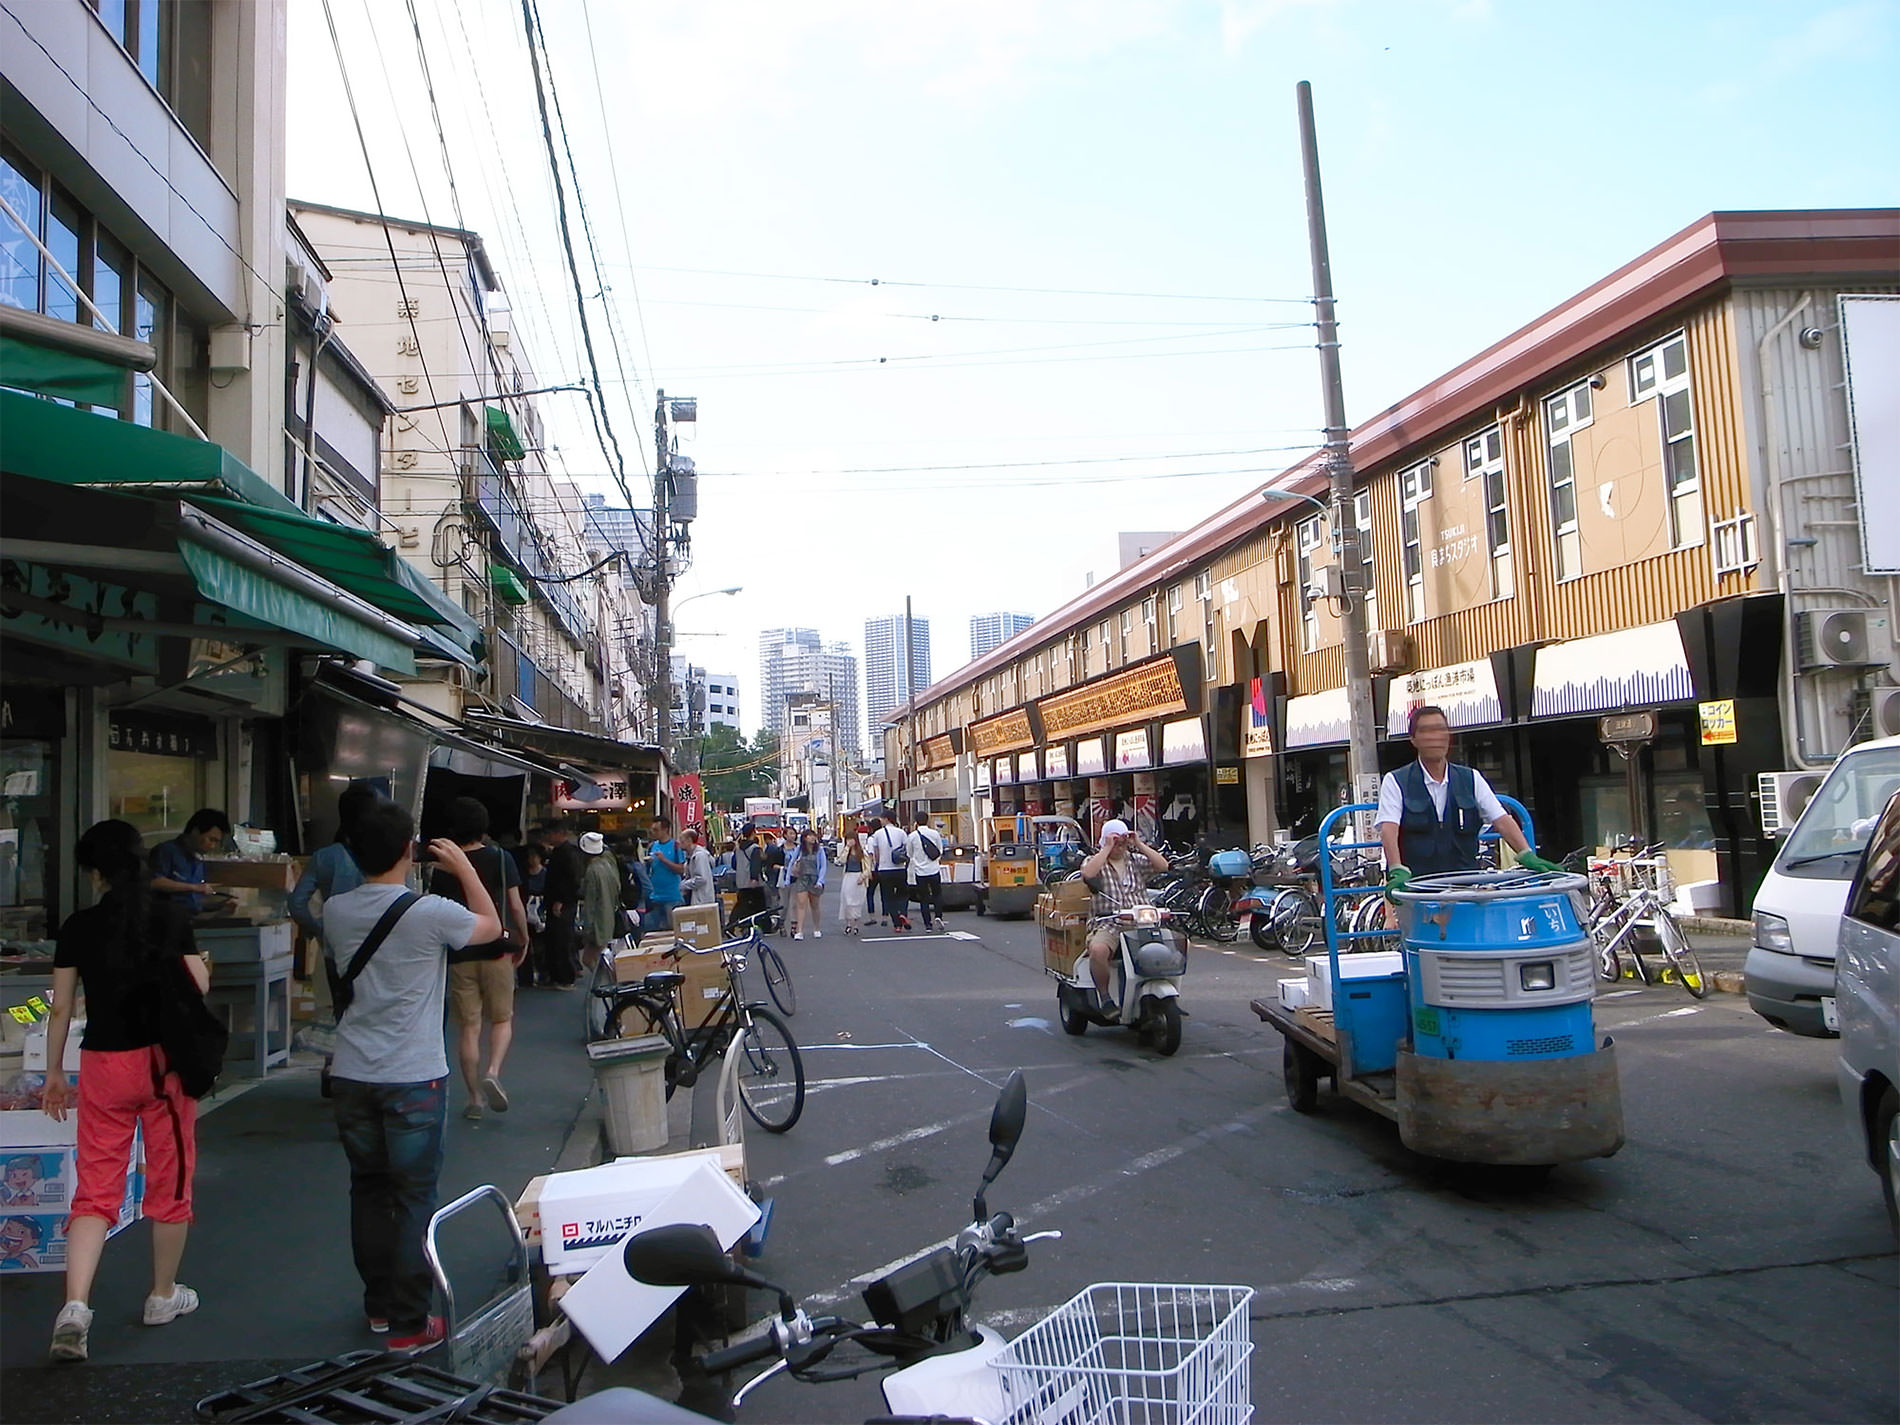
1147	915
1537	974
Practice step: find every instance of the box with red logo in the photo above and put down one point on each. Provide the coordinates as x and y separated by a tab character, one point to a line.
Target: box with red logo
587	1214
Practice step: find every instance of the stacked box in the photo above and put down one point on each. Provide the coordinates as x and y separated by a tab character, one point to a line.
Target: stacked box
705	974
38	1177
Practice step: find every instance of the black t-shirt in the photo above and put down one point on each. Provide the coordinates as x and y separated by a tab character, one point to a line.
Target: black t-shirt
121	994
500	875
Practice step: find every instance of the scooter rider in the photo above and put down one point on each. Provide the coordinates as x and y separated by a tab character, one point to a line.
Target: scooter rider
1118	875
1432	811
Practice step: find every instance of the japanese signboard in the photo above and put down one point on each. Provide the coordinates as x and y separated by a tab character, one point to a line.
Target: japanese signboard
602	791
1256	722
1718	722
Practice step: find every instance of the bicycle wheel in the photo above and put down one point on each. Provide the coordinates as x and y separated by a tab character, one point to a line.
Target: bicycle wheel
778	980
1294	922
1681	954
772	1076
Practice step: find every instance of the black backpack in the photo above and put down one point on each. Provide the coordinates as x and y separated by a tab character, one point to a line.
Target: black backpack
194	1039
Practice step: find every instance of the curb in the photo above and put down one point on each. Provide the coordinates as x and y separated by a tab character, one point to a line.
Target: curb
1729	982
1716	925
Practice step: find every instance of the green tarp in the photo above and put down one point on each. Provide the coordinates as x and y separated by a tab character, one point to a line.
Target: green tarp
224	581
65	374
502	438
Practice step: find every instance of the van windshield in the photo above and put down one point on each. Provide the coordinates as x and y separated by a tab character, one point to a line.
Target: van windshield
1835	827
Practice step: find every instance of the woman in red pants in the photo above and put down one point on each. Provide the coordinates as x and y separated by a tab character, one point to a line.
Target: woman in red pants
116	950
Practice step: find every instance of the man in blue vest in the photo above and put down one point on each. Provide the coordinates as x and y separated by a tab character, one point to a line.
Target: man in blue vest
1432	811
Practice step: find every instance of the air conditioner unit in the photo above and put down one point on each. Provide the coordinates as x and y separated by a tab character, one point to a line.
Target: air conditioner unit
1841	638
1784	796
1883	707
1389	651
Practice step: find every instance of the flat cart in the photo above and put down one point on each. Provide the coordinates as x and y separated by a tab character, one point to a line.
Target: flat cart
1476	1035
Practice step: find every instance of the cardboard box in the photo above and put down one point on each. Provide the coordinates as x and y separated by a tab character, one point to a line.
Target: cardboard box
1072	898
697	925
585	1215
1062	942
729	1156
36	1192
611	1308
705	975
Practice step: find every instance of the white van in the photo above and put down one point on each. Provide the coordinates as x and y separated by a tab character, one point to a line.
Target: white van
1790	969
1868	993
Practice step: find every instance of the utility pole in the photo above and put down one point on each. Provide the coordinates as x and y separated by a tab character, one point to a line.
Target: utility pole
662	582
1363	757
910	700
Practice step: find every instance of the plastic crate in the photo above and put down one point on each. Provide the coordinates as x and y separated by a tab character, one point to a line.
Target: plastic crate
1134	1352
379	1386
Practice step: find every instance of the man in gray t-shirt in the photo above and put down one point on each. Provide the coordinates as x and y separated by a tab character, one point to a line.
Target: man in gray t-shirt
390	1071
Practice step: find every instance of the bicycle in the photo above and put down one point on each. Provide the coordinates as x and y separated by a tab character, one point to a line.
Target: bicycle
772	1078
1614	921
778	979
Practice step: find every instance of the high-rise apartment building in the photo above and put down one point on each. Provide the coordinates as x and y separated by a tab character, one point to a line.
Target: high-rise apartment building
988	631
796	660
886	683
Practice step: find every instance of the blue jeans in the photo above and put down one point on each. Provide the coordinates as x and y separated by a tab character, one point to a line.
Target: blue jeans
659	915
392	1134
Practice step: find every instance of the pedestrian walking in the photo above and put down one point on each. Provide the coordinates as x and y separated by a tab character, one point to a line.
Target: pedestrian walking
773	864
748	877
666	864
697	884
117	950
391	1071
600	899
533	861
482	977
889	850
925	870
561	905
331	872
852	898
805	880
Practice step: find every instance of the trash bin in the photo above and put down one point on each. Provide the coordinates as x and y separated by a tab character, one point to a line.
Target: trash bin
632	1078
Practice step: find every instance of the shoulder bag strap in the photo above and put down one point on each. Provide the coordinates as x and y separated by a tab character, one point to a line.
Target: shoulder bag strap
378	934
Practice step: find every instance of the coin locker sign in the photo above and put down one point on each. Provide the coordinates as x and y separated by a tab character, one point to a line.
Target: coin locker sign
1718	722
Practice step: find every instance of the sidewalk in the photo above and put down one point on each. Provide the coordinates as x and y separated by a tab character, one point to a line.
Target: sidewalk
270	1253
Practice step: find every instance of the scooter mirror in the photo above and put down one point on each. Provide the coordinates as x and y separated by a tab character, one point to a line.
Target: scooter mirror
684	1254
1006	1128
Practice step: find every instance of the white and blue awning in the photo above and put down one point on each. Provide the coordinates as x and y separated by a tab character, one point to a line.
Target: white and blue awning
1318	719
1632	668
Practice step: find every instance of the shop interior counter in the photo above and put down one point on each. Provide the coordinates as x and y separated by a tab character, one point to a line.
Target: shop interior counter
250	989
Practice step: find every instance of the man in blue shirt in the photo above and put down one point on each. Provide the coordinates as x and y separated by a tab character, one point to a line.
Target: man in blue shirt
178	865
665	865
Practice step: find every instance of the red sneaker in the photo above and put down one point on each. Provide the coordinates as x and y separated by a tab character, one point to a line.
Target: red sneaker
433	1330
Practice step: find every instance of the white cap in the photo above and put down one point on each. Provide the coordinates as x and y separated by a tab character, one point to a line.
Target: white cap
1115	826
593	843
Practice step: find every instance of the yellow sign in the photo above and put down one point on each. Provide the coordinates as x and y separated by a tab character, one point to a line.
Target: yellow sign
1227	776
1718	722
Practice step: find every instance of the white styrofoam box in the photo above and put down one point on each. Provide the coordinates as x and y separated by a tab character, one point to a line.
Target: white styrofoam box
1295	993
31	1128
1364	965
611	1308
1698	898
35	1052
586	1214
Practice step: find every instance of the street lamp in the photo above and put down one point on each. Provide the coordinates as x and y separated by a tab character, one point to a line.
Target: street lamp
1276	492
665	642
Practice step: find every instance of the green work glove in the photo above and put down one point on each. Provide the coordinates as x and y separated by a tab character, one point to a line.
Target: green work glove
1397	878
1531	861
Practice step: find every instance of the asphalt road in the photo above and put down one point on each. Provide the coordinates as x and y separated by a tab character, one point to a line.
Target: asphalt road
1732	1263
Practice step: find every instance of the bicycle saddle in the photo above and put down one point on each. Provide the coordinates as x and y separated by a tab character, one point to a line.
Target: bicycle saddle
662	980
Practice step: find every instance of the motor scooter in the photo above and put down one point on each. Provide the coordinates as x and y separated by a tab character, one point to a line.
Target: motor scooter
1149	958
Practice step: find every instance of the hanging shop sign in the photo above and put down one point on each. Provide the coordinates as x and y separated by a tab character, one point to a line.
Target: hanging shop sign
1006	732
1468	692
161	734
1055	763
82	599
980	775
938	752
1628	727
1256	721
1149	690
1026	767
1091	757
1005	772
1132	750
601	791
1183	743
688	804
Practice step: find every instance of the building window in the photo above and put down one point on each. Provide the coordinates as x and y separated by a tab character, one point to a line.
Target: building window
1564	415
1307	540
1368	584
1662	372
1484	460
1207	633
1128	627
1734	544
1415	487
1203	586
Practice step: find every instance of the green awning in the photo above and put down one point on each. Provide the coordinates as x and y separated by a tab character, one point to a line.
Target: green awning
507	586
502	439
74	447
65	374
226	582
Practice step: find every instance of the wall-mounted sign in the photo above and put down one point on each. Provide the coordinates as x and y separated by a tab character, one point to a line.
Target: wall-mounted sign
1026	767
1005	772
1256	722
1091	757
1132	751
601	791
1227	776
1151	690
1627	727
686	800
160	734
1007	732
1468	692
938	752
1183	743
1055	763
980	775
1718	722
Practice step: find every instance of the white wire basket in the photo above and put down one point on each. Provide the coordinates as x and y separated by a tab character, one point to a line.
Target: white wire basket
1134	1354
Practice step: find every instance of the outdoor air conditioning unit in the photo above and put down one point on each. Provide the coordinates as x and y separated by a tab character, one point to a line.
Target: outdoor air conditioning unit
1389	651
1883	706
1841	638
1784	796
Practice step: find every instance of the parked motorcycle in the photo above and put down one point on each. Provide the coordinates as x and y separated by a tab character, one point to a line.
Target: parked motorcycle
1145	972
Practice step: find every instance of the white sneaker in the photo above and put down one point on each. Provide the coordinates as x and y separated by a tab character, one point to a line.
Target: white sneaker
798	935
159	1310
69	1331
818	935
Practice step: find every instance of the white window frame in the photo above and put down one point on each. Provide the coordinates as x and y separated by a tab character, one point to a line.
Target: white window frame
1127	628
1732	544
1307	541
1415	487
1566	413
1685	503
1362	521
1203	586
1483	460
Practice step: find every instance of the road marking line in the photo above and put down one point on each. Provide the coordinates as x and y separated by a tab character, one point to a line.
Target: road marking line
851	1155
1619	994
813	1048
1652	1018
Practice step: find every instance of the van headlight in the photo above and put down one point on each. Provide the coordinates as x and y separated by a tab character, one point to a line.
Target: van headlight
1772	933
1538	974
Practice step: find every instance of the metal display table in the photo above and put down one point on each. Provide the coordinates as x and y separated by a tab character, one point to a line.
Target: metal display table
250	992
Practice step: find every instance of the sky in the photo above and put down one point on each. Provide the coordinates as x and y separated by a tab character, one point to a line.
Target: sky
965	287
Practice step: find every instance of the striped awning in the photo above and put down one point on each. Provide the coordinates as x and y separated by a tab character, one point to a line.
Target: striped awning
1631	668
